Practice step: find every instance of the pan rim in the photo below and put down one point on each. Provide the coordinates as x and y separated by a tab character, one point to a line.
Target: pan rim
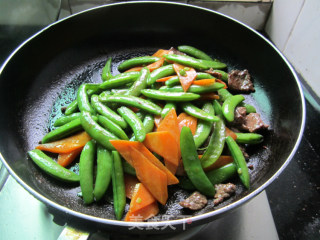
209	215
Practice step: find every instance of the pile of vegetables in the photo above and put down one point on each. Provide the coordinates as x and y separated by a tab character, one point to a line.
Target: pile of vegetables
142	128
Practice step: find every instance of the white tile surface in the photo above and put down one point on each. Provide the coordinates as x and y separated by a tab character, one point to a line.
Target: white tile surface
282	19
303	46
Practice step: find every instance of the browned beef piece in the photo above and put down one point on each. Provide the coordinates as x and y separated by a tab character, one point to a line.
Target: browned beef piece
240	115
240	81
254	123
196	201
175	51
223	191
214	73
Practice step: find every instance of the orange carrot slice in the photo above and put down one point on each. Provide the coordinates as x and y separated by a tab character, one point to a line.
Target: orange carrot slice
230	133
188	121
123	147
143	214
164	144
222	160
66	145
130	183
204	82
154	179
141	198
160	53
209	96
187	77
164	79
220	81
157	120
65	159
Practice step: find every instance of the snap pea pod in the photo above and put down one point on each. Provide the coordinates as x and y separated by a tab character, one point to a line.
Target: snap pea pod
127	168
224	94
134	122
170	96
104	170
161	72
187	61
63	131
137	61
119	80
86	163
72	108
249	138
107	112
217	109
117	91
65	119
139	84
83	99
119	193
203	127
172	81
141	115
213	64
224	75
175	80
132	101
215	176
229	106
166	109
194	88
148	122
239	161
198	113
106	71
95	131
112	127
215	146
194	52
51	167
192	163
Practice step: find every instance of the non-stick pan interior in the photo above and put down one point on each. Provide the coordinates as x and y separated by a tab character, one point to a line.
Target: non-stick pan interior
43	76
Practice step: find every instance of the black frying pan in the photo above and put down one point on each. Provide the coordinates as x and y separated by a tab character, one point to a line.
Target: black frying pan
43	74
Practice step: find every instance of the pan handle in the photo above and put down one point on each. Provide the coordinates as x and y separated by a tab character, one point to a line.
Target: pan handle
70	233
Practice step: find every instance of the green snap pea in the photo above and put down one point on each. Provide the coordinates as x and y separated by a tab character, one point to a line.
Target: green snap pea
217	109
172	81
202	75
140	83
65	119
83	99
194	88
137	61
239	161
224	75
51	167
104	170
127	168
141	115
119	80
249	138
224	94
203	127
107	112
106	71
72	108
215	176
215	146
187	61
132	101
95	131
116	91
86	163
170	96
119	193
134	122
198	113
63	131
161	72
229	106
192	51
148	123
213	64
166	109
112	127
192	163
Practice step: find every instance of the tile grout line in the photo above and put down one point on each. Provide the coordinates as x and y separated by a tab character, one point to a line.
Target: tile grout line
295	23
